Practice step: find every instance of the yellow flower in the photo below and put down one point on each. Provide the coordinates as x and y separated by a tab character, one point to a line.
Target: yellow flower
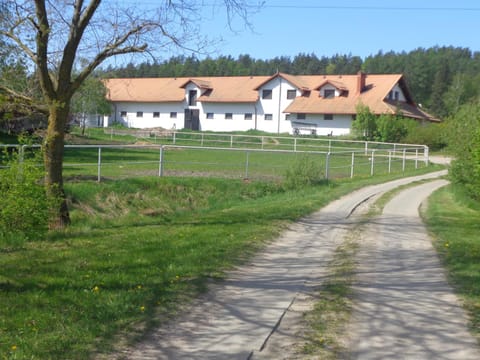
142	308
96	289
14	347
139	287
447	245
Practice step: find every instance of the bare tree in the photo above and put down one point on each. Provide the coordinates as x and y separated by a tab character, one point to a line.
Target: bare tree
66	40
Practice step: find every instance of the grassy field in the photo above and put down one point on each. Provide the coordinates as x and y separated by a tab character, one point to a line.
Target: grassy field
454	219
137	248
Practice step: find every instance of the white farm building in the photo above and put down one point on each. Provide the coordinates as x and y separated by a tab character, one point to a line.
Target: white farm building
282	103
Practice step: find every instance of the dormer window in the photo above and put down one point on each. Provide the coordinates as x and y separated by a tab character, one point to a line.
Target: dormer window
267	94
192	97
328	93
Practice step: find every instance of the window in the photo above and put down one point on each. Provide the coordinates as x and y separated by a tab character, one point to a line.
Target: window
173	115
248	116
228	116
267	94
287	116
123	113
139	113
209	115
156	114
328	93
301	116
327	116
268	117
291	94
397	95
192	97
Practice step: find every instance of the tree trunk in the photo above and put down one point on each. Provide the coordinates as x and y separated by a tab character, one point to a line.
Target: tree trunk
53	160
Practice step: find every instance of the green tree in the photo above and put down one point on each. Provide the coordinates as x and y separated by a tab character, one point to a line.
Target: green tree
65	41
365	125
90	99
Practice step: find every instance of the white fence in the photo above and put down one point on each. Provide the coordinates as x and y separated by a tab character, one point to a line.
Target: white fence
117	161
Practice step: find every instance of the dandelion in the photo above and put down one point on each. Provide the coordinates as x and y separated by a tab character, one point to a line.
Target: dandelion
142	308
14	347
96	289
139	287
447	245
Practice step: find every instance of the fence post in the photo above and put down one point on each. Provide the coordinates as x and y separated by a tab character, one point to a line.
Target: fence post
174	137
353	164
404	159
327	165
201	144
390	161
295	144
372	165
99	171
329	145
416	159
160	164
426	154
366	147
247	164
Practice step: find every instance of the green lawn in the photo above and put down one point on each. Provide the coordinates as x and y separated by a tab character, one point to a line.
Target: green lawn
137	248
455	221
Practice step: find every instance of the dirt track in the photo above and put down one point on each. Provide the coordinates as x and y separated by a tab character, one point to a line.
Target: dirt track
253	314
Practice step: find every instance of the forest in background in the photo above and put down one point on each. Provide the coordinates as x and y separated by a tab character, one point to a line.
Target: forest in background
441	79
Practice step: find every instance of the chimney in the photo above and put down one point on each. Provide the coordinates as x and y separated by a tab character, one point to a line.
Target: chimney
361	76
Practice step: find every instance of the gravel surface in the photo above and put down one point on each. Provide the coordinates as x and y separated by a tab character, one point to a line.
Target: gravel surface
256	312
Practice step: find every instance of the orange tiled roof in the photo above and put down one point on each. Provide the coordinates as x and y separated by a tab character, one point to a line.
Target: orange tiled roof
222	89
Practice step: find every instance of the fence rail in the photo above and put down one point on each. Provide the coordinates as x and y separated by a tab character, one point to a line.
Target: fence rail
263	142
118	161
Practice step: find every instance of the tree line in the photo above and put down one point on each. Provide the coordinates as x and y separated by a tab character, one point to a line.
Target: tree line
440	78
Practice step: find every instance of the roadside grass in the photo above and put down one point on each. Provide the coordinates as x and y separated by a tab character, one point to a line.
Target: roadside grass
454	219
137	251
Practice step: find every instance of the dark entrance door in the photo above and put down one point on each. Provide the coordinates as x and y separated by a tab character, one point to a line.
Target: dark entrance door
192	119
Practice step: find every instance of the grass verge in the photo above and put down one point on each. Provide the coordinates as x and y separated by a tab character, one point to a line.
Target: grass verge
454	219
137	250
327	321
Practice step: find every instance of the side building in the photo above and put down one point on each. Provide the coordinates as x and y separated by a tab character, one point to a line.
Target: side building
282	103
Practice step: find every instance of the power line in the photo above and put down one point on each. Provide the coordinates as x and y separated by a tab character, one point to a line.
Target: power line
330	7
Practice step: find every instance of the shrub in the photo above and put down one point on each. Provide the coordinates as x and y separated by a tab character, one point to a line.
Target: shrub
463	136
365	125
432	135
303	172
25	209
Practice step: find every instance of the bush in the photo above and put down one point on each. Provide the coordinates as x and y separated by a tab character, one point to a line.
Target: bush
432	135
303	172
24	214
463	136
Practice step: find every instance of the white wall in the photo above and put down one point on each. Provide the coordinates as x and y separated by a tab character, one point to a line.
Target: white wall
219	123
147	120
275	106
340	125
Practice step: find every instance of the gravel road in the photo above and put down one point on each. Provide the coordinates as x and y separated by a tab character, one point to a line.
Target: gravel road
247	316
404	308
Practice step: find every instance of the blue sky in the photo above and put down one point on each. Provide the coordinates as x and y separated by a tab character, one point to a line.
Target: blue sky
357	27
